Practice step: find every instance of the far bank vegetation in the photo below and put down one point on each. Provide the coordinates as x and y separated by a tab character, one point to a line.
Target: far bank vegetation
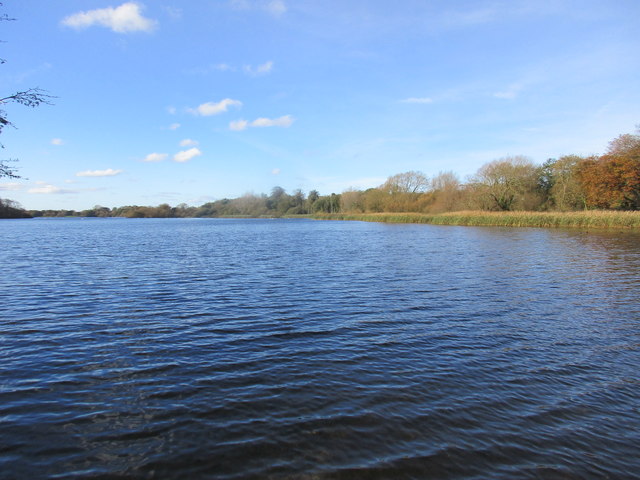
571	183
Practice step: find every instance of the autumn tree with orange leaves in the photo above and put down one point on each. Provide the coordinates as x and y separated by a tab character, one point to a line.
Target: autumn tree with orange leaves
612	181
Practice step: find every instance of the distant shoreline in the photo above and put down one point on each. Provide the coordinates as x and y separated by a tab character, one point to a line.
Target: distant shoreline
628	220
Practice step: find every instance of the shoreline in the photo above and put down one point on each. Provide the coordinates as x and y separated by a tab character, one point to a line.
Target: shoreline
628	220
590	219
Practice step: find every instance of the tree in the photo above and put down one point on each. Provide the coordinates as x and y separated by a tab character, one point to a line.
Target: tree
11	209
31	97
559	183
506	184
251	205
613	180
297	203
327	204
446	189
373	200
404	192
351	201
407	182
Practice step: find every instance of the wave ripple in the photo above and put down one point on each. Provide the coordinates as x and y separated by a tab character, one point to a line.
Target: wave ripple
280	349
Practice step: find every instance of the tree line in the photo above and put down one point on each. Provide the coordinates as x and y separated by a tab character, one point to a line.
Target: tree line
610	181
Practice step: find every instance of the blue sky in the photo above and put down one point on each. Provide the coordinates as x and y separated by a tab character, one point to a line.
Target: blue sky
191	101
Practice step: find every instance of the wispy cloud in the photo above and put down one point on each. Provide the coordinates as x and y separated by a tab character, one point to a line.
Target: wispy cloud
466	18
213	108
109	172
173	12
174	126
10	186
422	100
476	14
57	141
188	142
273	7
23	76
263	69
186	155
276	7
123	19
155	157
333	184
238	125
240	4
510	92
221	67
254	71
284	121
213	67
49	189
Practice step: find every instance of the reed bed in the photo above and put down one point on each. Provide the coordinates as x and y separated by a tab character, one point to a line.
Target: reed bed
583	219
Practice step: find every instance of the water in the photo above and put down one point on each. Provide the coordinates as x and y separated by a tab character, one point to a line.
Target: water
282	349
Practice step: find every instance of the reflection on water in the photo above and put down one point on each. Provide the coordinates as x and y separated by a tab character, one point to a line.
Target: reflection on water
303	349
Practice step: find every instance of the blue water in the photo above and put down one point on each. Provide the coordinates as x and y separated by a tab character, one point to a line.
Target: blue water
300	349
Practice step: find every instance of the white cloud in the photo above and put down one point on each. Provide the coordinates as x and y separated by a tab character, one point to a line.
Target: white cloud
275	171
187	142
238	125
174	126
155	157
172	110
123	19
186	155
423	100
57	141
284	121
212	108
109	172
260	69
48	189
10	186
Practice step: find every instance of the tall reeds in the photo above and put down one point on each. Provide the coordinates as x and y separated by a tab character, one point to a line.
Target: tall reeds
582	219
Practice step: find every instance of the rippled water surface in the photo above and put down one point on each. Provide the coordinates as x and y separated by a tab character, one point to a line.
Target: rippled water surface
228	349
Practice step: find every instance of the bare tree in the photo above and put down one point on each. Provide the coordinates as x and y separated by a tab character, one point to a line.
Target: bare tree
505	184
31	97
407	182
446	189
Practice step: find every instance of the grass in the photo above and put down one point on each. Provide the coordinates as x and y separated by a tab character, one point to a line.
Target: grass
583	219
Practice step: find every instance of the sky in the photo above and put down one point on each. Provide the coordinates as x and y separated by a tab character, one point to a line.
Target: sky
168	101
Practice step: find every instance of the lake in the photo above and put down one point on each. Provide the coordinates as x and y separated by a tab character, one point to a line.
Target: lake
301	349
